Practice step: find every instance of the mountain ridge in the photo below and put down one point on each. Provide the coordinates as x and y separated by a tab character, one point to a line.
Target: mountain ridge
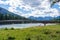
6	15
18	17
44	18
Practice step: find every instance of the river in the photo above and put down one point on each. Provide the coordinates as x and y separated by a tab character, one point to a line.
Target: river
24	25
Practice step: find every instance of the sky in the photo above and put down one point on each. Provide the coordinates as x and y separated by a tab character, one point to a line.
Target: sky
35	8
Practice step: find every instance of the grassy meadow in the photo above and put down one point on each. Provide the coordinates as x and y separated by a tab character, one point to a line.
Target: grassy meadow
51	32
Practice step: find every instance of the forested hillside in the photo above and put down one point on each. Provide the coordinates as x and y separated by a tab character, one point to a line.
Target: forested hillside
6	15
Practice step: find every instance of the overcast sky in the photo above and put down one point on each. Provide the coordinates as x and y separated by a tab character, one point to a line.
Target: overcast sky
27	8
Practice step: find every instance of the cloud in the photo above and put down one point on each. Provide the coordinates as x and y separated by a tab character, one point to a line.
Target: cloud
34	8
32	3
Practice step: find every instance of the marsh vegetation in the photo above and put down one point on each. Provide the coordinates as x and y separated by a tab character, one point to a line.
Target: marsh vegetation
51	32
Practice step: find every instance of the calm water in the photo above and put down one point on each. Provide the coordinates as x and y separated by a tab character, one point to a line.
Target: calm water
23	25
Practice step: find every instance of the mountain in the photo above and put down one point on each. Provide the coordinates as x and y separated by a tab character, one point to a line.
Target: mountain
58	17
6	15
44	18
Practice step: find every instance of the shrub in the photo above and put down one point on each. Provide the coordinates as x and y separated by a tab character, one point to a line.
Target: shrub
58	32
47	31
53	35
28	38
6	28
12	28
39	38
11	38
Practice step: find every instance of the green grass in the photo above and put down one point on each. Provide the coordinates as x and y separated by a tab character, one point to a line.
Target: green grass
51	32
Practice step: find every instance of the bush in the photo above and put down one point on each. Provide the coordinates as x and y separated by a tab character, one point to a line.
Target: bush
28	38
12	28
47	31
53	35
11	38
6	28
39	38
58	32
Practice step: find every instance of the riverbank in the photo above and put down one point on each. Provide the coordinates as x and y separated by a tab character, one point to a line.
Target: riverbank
50	32
26	25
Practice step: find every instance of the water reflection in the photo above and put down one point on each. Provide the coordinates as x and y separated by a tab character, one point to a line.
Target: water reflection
23	25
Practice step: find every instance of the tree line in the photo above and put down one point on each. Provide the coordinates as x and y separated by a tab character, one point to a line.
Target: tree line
10	17
17	17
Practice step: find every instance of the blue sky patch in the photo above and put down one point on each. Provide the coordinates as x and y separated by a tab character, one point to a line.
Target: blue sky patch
56	6
4	6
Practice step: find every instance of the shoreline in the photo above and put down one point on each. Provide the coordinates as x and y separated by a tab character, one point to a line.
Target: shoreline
25	25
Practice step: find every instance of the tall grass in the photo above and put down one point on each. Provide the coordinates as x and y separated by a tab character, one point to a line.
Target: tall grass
51	32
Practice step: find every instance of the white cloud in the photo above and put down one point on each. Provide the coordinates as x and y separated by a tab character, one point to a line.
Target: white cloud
38	7
5	3
58	3
11	9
